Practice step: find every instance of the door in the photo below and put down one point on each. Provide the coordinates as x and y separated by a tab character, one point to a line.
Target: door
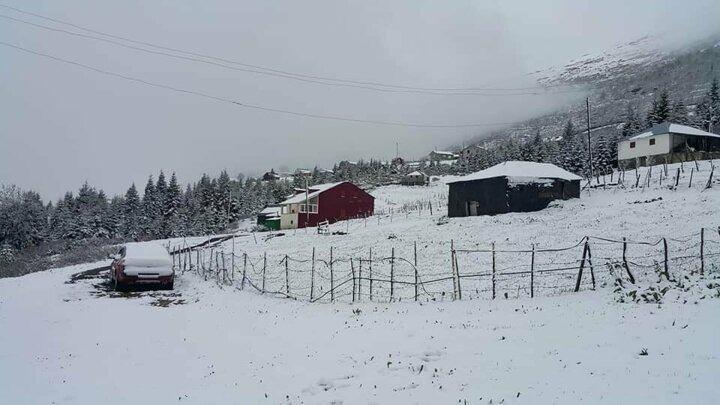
473	208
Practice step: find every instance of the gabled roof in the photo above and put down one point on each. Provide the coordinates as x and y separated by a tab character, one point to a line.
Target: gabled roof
416	173
313	191
521	170
672	128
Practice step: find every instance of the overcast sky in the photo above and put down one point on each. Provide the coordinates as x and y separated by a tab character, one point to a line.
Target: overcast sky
61	125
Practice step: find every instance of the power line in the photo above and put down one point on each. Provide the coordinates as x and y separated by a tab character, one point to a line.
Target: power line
225	66
247	105
256	69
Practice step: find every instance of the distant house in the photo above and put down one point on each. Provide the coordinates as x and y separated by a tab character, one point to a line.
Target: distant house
330	202
270	176
416	178
668	143
440	155
269	217
511	187
397	161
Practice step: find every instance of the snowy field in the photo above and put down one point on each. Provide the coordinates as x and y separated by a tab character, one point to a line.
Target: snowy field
75	342
643	215
65	338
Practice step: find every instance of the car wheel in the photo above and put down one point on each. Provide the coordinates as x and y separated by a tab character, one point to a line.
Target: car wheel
118	286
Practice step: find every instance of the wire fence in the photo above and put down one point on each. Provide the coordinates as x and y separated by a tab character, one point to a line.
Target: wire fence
462	273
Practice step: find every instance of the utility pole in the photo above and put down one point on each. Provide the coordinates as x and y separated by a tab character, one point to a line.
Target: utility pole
307	204
397	149
587	104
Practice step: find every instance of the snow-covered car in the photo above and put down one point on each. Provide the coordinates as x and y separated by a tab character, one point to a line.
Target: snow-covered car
142	263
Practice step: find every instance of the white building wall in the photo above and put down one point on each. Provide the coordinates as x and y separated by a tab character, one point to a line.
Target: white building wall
289	221
663	145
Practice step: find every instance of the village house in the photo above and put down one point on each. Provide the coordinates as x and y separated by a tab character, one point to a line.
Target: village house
439	155
668	143
513	186
330	202
269	217
416	178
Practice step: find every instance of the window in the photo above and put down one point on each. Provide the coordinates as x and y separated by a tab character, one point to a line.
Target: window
313	208
652	141
632	145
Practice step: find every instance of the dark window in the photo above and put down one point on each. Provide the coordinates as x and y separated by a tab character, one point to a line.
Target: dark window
652	141
632	145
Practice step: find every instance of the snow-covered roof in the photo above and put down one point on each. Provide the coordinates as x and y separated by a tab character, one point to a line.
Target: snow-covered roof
312	192
270	210
416	173
669	127
146	254
521	170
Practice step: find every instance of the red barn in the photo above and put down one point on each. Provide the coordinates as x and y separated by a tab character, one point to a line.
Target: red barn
330	202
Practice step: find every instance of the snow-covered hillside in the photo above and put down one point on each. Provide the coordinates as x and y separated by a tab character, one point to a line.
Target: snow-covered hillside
66	338
645	51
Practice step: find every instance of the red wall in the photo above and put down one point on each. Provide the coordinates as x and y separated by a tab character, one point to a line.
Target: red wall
341	202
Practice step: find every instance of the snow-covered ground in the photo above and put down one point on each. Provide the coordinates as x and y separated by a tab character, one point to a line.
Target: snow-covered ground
78	343
66	338
647	213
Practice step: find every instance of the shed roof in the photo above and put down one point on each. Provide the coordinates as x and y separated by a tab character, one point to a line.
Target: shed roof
670	127
416	173
312	192
521	170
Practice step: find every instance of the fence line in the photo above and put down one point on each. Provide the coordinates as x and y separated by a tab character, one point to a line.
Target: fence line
471	274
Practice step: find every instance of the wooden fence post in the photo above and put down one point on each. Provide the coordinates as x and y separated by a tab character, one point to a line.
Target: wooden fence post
590	265
371	274
312	276
493	270
702	251
665	261
332	277
457	272
360	260
392	274
625	262
232	261
677	177
264	271
224	268
692	169
709	182
532	272
416	270
242	283
582	265
354	280
287	277
452	266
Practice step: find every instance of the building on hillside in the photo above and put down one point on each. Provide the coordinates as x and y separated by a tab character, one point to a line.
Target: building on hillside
416	178
440	155
471	152
668	143
397	161
330	202
270	176
511	187
269	217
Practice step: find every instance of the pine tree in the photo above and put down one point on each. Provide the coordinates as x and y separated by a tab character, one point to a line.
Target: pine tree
132	214
660	110
150	212
678	113
632	124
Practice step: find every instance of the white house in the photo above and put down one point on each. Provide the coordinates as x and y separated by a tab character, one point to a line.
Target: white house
668	143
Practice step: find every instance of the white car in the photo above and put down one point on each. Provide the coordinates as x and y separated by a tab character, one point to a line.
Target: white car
142	263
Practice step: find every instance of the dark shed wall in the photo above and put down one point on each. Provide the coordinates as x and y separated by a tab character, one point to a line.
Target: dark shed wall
496	196
491	195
